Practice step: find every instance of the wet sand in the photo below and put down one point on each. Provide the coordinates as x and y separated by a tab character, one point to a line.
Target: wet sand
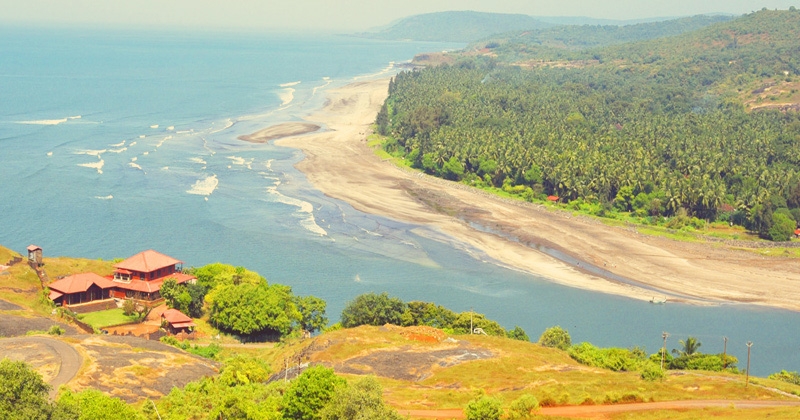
280	131
591	255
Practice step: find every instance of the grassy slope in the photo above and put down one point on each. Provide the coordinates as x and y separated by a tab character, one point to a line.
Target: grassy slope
518	368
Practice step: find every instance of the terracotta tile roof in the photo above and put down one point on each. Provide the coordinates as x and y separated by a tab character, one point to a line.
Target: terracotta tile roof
33	248
55	294
79	283
174	317
147	261
150	286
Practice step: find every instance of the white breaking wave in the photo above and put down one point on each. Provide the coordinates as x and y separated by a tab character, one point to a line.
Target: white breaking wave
198	160
49	122
236	160
290	84
95	165
304	209
141	136
120	144
228	124
134	159
133	143
170	128
108	197
135	166
117	150
161	143
287	96
385	70
49	153
327	80
91	152
154	126
204	186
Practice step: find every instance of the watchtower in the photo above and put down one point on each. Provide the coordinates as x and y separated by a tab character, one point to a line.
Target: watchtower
35	255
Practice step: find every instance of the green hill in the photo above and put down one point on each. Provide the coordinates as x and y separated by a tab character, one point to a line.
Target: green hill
661	131
464	26
580	37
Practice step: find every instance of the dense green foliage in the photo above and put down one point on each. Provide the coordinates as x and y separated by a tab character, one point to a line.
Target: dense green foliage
518	334
523	407
454	26
616	359
361	400
373	309
790	377
23	395
655	129
556	337
380	309
210	351
484	408
310	393
92	404
242	302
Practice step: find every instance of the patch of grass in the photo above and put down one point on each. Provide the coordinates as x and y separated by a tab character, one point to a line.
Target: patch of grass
7	255
676	235
777	252
102	319
62	266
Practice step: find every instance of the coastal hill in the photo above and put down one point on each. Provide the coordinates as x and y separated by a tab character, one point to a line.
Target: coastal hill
424	372
462	26
679	132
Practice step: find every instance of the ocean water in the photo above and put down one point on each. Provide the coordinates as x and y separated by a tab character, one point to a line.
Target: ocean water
113	142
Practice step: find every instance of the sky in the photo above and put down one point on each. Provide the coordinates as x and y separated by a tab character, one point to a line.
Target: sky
336	15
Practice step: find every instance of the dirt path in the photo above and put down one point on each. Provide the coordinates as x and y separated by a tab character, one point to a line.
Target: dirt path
599	257
601	411
65	356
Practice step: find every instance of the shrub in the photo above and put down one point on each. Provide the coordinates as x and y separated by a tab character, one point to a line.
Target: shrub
790	377
651	372
129	307
616	359
373	309
55	330
523	407
484	408
556	337
518	334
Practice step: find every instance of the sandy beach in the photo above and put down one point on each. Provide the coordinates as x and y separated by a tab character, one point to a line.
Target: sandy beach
592	255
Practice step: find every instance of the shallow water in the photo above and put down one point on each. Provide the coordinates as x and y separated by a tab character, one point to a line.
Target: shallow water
116	142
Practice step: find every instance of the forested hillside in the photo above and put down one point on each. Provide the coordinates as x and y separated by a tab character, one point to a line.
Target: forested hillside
464	26
702	125
537	43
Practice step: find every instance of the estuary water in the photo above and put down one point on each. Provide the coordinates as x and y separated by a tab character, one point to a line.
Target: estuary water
113	142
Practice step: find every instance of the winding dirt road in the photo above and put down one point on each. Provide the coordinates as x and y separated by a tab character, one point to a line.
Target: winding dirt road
26	348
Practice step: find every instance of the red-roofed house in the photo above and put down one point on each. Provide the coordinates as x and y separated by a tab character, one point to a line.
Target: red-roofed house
139	277
142	275
80	288
176	322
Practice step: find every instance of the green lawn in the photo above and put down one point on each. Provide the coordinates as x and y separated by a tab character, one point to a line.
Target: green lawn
102	319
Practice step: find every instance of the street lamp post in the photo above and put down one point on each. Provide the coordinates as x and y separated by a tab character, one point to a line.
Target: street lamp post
664	335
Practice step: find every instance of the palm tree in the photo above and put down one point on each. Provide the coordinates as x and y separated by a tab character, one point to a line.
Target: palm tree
690	347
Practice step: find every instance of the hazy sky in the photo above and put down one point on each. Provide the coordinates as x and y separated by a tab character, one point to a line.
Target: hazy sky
339	15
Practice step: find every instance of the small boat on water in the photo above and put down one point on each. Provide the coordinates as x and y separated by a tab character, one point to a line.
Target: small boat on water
658	301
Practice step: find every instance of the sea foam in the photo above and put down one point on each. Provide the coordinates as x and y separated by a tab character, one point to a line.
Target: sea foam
304	209
204	186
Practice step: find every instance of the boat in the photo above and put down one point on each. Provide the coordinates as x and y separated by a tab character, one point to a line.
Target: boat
658	301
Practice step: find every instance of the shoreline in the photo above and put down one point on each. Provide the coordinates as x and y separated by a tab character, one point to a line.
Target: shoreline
339	163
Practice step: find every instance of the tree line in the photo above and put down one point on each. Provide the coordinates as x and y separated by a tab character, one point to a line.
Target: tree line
656	129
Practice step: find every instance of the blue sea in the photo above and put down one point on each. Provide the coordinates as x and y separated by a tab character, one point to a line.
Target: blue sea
113	142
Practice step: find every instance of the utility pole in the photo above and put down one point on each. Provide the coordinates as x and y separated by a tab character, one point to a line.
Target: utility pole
470	321
747	379
664	335
725	353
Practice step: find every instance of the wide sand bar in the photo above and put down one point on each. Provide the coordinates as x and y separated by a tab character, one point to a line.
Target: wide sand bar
340	164
279	131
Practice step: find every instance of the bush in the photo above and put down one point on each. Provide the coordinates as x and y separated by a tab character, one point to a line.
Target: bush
484	408
616	359
523	407
556	337
310	392
651	372
518	334
373	309
55	330
790	377
128	307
